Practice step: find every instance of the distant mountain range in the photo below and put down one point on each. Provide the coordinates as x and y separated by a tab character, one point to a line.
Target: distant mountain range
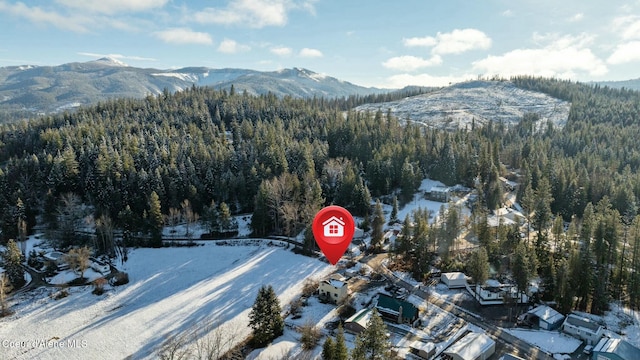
633	84
31	90
476	102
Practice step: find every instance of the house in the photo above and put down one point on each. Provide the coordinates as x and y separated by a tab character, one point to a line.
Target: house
396	310
493	292
439	193
358	322
334	289
333	227
454	279
583	328
544	317
615	349
473	346
423	350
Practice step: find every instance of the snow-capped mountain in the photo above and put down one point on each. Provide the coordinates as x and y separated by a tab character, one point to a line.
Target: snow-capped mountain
28	90
479	102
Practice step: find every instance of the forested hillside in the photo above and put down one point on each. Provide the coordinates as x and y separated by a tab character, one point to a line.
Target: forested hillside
133	161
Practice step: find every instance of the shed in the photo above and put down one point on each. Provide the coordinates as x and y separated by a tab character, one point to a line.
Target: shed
396	310
454	280
583	328
423	350
473	346
357	323
545	317
615	349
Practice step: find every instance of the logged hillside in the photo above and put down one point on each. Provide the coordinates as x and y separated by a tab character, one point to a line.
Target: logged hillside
133	161
476	103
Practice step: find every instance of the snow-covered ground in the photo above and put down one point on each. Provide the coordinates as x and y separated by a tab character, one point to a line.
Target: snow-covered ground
550	341
170	290
458	106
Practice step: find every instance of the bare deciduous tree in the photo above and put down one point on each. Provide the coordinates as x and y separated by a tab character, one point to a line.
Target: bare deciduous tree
78	259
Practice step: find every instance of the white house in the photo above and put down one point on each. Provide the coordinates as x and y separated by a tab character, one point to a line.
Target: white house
334	288
333	227
454	280
583	328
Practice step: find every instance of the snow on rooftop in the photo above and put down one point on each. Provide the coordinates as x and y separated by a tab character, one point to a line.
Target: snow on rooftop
471	346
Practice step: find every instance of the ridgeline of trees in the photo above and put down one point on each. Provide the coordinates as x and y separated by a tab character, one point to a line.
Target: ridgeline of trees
126	163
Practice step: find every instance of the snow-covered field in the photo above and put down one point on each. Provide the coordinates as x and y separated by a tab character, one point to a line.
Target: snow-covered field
170	290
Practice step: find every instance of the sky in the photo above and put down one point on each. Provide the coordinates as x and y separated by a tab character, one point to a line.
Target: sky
388	44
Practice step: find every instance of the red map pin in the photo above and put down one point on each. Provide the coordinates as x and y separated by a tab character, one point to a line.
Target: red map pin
333	229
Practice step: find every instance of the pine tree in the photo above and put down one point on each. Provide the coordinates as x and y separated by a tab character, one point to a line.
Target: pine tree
372	343
265	317
340	347
12	259
155	220
328	349
377	226
478	266
394	211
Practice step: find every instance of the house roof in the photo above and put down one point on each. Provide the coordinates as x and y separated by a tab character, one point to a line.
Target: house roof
332	219
619	347
471	346
392	305
547	314
582	322
361	317
335	283
455	276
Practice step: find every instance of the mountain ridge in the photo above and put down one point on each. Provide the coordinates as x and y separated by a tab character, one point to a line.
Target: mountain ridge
30	90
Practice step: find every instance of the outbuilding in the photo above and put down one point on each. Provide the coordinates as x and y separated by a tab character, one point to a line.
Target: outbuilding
357	323
454	280
615	349
544	317
473	346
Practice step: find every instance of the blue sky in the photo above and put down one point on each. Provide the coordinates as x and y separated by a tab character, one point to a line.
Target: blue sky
370	43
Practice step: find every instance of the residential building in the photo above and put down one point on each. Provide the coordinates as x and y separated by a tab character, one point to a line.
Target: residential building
396	310
583	328
334	289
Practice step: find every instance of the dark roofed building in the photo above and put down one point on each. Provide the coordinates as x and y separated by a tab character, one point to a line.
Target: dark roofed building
396	310
615	349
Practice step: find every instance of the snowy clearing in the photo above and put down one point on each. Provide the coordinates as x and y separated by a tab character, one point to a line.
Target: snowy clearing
171	289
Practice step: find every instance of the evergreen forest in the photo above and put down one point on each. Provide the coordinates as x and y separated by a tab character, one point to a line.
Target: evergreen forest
128	164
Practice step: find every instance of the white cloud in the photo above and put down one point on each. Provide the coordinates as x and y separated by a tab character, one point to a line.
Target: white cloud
577	17
507	13
548	62
402	80
455	42
627	27
39	16
252	13
411	63
459	41
113	6
116	56
184	36
426	41
229	46
281	51
310	53
625	53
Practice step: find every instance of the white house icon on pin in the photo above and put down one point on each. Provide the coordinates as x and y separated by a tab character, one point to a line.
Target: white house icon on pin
333	227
